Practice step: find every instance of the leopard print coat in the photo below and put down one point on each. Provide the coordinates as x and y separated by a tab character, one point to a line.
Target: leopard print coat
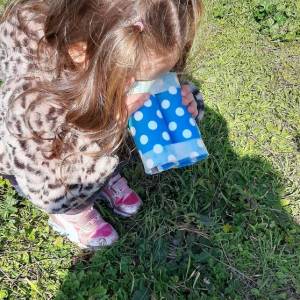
37	176
22	159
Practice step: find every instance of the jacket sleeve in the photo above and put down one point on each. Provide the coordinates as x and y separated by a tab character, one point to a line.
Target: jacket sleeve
38	176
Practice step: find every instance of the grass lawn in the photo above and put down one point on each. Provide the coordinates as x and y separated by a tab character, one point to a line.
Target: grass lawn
226	228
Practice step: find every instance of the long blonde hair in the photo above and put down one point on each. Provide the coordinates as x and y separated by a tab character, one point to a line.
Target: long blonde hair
93	98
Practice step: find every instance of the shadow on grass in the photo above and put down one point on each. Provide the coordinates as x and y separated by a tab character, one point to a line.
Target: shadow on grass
212	231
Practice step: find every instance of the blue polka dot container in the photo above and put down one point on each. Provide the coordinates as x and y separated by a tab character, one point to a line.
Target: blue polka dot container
164	131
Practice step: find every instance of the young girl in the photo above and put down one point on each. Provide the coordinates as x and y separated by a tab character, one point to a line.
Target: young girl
66	66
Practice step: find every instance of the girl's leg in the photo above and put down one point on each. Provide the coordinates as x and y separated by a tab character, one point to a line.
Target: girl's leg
118	195
83	225
85	228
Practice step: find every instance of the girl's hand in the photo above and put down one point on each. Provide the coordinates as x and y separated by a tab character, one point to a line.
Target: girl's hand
189	100
136	101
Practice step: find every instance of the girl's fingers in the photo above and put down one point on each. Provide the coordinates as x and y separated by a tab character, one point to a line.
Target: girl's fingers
193	109
189	100
185	90
187	96
136	99
186	100
134	102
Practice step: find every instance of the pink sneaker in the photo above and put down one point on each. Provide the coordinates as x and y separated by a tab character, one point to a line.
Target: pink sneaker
87	229
120	197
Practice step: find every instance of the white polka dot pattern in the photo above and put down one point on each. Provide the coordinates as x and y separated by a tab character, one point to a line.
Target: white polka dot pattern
187	133
148	103
152	125
172	158
158	149
133	131
172	126
179	111
194	154
159	114
173	90
192	122
138	116
165	104
200	143
164	131
166	136
150	163
144	139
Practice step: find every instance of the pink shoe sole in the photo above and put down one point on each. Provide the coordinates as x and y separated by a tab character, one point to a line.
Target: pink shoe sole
103	235
130	212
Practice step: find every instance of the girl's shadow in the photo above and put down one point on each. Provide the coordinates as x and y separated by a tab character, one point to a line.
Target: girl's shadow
216	229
